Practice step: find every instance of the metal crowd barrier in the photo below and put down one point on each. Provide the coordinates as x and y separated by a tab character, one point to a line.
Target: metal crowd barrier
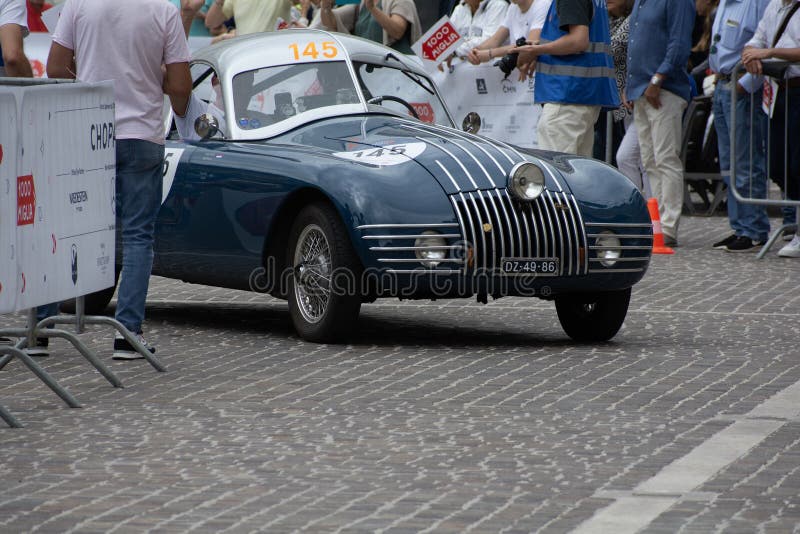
775	70
44	328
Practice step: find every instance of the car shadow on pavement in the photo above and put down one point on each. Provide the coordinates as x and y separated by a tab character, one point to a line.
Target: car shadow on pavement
378	327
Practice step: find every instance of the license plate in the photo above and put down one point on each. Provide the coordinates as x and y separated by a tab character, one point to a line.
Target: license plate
537	266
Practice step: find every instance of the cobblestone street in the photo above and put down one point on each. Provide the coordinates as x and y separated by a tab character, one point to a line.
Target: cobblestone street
445	416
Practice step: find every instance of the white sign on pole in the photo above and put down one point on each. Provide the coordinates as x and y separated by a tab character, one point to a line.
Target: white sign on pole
61	190
438	42
505	105
8	201
69	158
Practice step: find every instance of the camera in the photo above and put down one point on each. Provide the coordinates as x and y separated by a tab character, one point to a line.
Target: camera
508	62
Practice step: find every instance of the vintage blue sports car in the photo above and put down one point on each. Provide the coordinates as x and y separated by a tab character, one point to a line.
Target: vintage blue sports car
326	170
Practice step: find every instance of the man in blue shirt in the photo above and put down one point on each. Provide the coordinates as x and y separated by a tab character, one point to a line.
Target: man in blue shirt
574	74
658	85
734	25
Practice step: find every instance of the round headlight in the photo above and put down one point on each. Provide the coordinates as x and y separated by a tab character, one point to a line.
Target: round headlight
430	249
610	252
526	181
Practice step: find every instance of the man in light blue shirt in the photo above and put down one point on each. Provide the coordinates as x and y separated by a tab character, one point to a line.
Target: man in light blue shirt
734	25
658	85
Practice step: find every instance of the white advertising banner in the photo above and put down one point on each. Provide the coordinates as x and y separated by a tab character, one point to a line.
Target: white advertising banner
64	218
505	105
37	48
8	200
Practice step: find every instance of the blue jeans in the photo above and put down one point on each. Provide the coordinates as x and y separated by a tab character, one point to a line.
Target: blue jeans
46	310
747	220
138	183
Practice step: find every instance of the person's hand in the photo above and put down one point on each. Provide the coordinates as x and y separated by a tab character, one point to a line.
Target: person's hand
526	60
751	57
192	5
627	104
754	67
370	4
653	95
751	54
474	56
526	70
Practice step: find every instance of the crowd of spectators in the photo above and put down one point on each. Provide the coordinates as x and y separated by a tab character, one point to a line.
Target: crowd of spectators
642	59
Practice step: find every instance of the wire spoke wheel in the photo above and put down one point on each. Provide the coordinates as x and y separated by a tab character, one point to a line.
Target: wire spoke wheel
323	307
312	268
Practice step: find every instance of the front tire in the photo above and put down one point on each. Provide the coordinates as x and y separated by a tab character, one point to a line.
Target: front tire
324	291
593	316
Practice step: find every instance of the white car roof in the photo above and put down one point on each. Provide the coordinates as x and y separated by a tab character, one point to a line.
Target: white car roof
260	50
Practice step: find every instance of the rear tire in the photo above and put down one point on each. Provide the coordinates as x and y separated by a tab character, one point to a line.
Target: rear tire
324	289
593	316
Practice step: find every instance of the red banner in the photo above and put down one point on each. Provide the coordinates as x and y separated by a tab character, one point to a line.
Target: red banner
442	39
26	200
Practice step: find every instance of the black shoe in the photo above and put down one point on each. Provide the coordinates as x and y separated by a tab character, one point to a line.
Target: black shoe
721	245
123	350
743	244
670	241
40	349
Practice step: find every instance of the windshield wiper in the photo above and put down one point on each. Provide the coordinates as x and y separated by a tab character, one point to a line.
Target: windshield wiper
410	75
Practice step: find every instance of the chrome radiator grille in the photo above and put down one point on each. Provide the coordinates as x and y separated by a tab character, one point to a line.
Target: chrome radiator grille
498	226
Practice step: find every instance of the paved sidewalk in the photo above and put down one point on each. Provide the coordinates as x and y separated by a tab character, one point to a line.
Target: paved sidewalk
444	416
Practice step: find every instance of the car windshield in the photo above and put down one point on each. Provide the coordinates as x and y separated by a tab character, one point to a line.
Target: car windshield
270	95
401	91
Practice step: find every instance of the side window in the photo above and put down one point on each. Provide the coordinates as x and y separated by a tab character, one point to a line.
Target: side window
206	99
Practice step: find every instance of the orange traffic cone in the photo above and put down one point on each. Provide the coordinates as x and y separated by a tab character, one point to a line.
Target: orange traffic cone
658	236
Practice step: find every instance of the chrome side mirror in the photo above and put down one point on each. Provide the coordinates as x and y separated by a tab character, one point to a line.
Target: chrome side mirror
471	123
206	126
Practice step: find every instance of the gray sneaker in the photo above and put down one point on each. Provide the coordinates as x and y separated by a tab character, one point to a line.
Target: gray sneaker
123	350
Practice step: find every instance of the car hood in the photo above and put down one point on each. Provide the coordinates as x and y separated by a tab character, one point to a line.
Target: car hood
459	161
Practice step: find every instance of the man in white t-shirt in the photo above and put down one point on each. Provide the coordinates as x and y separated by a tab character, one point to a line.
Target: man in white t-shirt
476	20
141	46
13	28
522	18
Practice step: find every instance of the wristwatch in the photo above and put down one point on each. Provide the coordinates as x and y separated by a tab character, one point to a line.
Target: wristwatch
656	80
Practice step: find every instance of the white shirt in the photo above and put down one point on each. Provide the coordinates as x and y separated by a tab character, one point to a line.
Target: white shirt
13	12
126	42
768	27
519	24
475	29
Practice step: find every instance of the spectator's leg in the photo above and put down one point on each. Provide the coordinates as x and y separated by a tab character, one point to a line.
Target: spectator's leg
585	117
721	106
666	138
567	128
750	176
777	154
139	179
46	310
641	122
793	182
629	157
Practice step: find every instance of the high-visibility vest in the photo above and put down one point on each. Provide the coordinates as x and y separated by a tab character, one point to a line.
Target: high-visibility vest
585	78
